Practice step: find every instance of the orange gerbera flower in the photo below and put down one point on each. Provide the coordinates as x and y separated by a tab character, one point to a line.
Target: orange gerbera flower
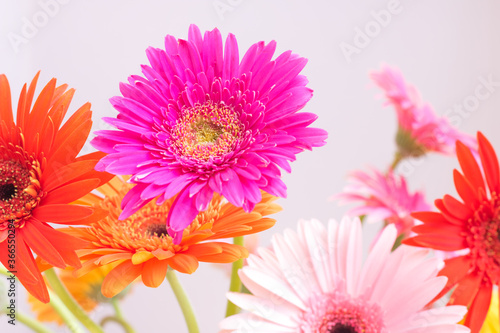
39	176
86	290
473	224
142	246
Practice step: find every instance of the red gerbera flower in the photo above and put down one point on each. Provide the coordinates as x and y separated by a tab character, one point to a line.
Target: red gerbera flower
472	224
39	176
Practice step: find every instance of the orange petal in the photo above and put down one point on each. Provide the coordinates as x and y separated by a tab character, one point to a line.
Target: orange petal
205	249
154	272
38	114
60	107
230	253
27	104
162	254
119	278
65	244
5	101
141	256
183	263
67	150
66	173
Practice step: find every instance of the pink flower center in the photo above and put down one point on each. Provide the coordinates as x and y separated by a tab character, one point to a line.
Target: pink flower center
484	238
339	313
19	192
206	131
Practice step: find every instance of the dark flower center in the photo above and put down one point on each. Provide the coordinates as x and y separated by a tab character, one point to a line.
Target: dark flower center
159	230
20	191
7	191
341	328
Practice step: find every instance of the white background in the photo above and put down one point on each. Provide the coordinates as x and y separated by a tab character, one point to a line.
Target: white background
442	47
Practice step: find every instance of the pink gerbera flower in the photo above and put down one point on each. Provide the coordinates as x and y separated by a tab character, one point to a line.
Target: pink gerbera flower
420	129
383	198
313	281
202	121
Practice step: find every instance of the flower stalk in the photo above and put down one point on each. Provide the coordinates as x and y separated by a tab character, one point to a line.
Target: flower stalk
183	300
235	285
61	291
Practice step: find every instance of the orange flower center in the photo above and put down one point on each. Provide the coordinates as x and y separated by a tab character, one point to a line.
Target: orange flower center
146	229
20	191
484	238
206	130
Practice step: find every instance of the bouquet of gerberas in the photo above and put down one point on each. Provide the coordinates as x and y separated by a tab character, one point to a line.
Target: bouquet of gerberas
196	158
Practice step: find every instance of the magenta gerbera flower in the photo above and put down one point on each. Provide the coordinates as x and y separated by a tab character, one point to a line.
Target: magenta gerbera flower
383	198
202	121
420	129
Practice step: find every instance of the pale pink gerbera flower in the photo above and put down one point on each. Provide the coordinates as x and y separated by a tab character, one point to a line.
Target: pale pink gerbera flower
202	121
314	281
383	198
420	129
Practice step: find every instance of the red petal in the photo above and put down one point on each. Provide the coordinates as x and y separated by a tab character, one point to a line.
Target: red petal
443	242
467	289
465	190
60	213
490	162
479	309
469	165
65	244
41	246
71	192
456	208
455	269
449	217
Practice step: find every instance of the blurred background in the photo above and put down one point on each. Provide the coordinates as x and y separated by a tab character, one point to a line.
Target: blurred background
446	49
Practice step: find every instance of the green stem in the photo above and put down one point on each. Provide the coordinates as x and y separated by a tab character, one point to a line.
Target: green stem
34	324
235	284
116	306
65	314
183	301
70	303
126	326
397	158
119	318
